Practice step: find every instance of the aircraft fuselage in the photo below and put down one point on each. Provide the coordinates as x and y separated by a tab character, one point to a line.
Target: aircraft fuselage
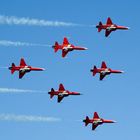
112	27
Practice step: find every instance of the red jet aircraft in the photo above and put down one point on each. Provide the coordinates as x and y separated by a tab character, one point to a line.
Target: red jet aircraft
61	93
103	70
96	121
23	68
66	47
109	27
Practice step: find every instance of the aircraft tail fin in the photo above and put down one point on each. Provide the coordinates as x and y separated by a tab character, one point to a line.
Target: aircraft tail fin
13	64
12	68
51	93
86	121
94	70
99	27
56	47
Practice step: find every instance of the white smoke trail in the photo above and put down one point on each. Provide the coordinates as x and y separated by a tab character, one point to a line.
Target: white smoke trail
18	43
13	90
27	118
12	20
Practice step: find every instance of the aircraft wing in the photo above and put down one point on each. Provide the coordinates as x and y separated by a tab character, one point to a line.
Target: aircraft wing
94	126
21	74
109	21
61	87
60	98
22	62
65	41
102	76
64	53
107	33
103	65
95	115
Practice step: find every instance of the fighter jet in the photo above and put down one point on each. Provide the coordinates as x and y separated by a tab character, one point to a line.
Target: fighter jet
61	93
109	27
96	121
103	70
66	47
23	68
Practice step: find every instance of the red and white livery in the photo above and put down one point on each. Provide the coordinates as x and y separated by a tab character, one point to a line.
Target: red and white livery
23	68
103	71
96	120
66	47
61	93
109	27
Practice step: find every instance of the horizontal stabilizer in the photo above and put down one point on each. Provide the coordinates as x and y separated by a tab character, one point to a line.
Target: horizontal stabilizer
56	47
86	121
99	27
51	93
12	68
94	71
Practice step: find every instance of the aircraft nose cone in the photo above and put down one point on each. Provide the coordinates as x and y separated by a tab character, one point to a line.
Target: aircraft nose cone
78	93
53	46
43	69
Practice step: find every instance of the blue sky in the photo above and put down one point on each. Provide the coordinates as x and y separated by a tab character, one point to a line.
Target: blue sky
116	97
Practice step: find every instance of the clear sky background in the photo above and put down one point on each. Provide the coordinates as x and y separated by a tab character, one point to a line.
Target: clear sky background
116	97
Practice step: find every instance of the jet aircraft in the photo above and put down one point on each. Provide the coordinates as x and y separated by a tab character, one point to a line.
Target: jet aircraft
61	93
66	47
96	121
109	27
103	70
23	68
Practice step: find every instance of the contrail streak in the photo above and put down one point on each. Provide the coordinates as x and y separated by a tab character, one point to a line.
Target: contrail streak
13	20
13	90
27	118
18	43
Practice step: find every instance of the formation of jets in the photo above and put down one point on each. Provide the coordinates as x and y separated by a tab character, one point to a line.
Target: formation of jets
66	47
